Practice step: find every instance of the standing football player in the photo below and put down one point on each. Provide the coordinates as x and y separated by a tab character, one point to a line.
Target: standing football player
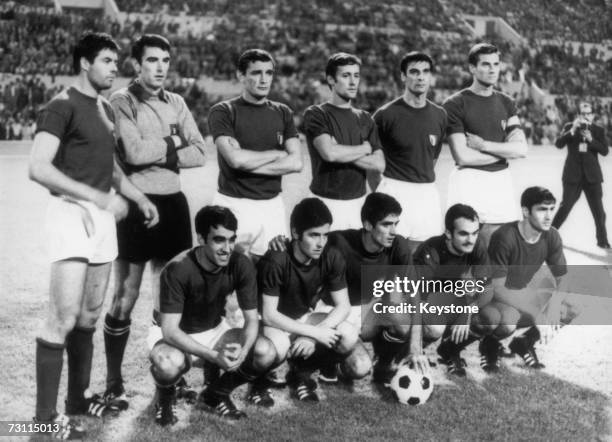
193	291
484	133
292	282
517	251
257	144
73	157
343	143
411	129
158	137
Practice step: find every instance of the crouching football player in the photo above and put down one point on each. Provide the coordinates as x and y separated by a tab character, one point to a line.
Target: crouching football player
456	255
291	282
517	251
193	291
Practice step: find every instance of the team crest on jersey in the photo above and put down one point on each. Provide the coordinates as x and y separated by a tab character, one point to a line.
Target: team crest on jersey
433	139
279	138
504	123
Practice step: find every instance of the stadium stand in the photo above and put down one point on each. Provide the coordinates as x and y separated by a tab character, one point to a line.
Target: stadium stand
36	40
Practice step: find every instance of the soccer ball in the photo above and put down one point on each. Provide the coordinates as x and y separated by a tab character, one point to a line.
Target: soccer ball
410	387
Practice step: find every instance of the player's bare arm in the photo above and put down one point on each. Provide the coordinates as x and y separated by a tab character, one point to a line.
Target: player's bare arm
138	149
464	156
374	162
244	159
176	337
333	152
292	163
42	170
249	334
341	310
514	147
272	317
124	186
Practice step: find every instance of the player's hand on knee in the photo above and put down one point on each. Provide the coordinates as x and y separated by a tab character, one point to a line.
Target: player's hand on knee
459	333
279	243
327	336
149	211
302	347
230	357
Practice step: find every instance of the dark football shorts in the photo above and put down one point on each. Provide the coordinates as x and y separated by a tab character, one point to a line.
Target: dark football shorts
168	238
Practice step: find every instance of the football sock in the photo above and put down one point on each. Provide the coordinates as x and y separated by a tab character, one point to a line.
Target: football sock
49	360
116	333
386	347
531	336
79	347
229	380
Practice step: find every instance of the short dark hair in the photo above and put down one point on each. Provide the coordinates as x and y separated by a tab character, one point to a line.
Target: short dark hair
151	41
378	206
414	56
457	211
309	213
214	216
252	55
340	59
536	195
481	49
89	46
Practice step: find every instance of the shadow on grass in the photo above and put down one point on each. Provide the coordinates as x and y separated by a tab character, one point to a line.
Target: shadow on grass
507	406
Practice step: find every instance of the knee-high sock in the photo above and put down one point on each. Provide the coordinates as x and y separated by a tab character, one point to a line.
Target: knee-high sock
116	334
49	361
79	347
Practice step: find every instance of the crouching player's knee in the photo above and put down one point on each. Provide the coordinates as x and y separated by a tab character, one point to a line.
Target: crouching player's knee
168	364
433	332
264	354
349	336
357	364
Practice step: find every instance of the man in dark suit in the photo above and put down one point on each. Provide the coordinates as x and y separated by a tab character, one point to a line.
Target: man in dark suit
584	141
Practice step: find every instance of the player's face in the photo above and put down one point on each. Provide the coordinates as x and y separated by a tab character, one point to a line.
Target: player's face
257	79
154	67
346	83
383	233
219	245
417	77
486	71
540	216
464	235
313	241
102	72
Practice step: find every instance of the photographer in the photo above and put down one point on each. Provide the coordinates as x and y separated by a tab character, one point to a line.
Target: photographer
584	140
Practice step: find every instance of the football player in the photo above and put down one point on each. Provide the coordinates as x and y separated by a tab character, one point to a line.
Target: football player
73	157
484	132
193	290
411	129
158	137
257	144
343	143
456	255
292	282
517	251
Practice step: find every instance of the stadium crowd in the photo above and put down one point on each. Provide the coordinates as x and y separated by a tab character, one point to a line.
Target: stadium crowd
36	40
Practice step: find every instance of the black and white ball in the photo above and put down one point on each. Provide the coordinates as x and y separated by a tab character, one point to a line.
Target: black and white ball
410	387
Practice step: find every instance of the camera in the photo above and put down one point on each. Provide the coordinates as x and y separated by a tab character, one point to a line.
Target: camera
584	126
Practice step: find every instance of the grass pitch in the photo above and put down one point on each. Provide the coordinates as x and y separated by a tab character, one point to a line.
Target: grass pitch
569	400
